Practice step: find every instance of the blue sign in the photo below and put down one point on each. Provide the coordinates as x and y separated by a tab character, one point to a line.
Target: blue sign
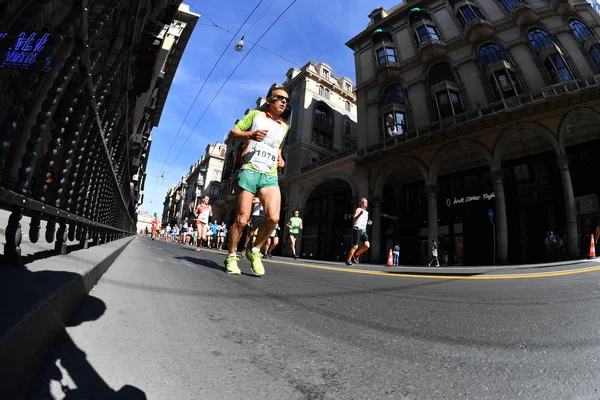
491	213
20	52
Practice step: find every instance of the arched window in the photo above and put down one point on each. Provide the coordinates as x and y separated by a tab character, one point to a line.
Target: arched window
384	47
347	105
441	72
554	63
539	38
393	94
321	91
424	28
327	94
444	90
502	78
347	129
490	53
579	29
322	133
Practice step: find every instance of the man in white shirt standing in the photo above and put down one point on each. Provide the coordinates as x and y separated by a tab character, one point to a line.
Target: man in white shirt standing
263	134
359	232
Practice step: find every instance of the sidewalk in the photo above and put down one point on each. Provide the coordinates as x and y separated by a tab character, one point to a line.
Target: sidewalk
37	301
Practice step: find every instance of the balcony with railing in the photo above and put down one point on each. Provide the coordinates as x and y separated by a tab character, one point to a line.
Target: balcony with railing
481	114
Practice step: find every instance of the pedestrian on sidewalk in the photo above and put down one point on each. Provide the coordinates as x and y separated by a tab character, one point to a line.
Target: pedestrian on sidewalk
359	232
263	133
396	253
434	253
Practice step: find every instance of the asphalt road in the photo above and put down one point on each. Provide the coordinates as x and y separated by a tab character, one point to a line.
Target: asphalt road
166	322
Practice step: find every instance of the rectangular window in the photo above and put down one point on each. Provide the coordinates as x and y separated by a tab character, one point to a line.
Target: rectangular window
326	73
595	54
348	87
557	68
433	33
521	173
386	54
444	107
468	13
390	54
395	123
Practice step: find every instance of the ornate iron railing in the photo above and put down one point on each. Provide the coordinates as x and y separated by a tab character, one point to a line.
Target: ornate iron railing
82	183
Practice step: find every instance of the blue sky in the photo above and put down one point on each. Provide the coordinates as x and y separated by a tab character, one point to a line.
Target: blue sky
310	30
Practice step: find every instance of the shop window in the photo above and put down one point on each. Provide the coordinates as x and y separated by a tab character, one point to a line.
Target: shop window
472	185
521	173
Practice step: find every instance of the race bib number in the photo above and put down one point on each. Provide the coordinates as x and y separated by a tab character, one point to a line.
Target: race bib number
203	217
265	156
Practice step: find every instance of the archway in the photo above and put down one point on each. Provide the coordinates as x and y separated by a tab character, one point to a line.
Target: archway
461	172
398	189
326	210
579	133
535	199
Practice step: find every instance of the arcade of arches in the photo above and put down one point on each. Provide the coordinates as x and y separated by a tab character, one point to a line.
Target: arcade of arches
531	178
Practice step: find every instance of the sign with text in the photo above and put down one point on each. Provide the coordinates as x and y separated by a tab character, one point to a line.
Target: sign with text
469	199
20	50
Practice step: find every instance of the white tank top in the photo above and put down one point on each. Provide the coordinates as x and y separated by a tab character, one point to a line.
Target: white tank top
361	222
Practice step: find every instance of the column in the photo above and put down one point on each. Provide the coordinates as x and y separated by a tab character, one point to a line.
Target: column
432	214
501	219
563	165
375	241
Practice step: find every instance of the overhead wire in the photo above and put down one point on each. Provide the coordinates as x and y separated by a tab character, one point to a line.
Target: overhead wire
227	80
206	80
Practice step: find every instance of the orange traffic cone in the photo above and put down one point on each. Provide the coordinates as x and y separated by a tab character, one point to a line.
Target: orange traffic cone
592	247
390	258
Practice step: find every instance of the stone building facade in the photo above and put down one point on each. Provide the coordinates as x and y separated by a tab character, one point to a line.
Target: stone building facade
466	110
475	109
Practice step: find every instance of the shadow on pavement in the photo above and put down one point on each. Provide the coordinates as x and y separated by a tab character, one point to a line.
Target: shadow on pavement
83	381
210	264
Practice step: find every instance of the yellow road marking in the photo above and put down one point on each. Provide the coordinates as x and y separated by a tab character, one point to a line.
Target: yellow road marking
425	276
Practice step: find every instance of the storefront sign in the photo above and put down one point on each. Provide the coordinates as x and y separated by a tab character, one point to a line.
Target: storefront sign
392	217
468	199
21	51
530	186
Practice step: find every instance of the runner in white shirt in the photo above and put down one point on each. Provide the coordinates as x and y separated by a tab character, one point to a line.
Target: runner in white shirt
359	232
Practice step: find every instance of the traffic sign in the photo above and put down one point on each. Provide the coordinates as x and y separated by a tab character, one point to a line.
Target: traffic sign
491	213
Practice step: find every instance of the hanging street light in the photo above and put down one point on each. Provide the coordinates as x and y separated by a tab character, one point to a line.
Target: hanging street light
240	45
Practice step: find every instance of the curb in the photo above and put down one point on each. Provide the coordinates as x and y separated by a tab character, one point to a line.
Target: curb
41	299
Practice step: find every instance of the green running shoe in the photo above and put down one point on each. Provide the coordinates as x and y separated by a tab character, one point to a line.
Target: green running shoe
256	261
231	265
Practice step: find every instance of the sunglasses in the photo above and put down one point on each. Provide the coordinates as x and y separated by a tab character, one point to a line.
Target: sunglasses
281	98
